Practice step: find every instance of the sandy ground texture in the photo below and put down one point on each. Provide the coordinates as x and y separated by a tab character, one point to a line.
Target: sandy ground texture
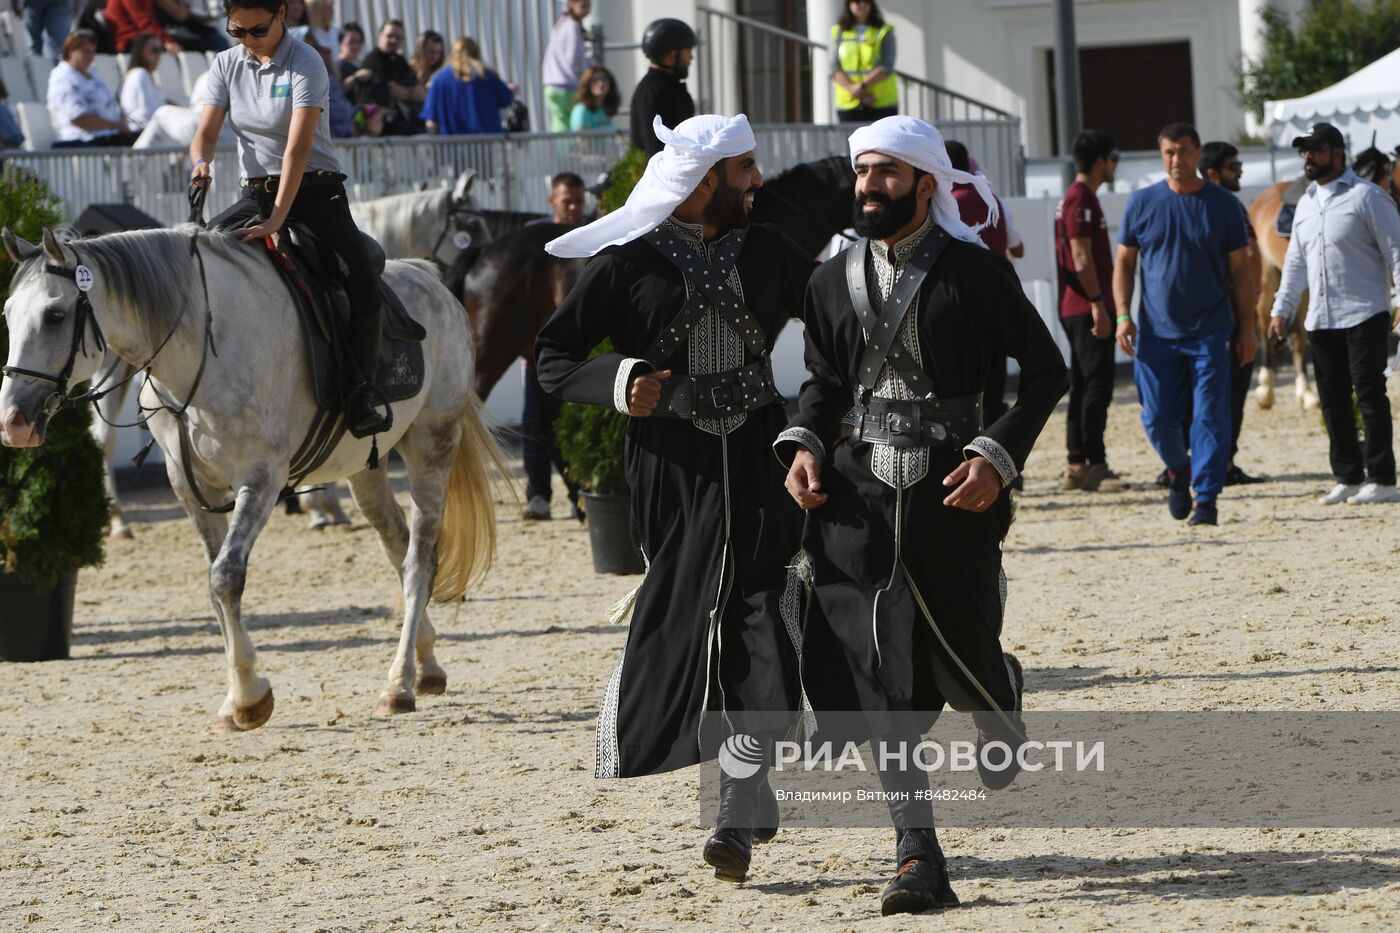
122	810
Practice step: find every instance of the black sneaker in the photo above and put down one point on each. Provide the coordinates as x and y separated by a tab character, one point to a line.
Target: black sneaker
1203	514
919	885
1179	495
1237	477
1164	479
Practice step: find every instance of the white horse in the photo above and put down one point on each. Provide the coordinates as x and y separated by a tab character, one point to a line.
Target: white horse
435	225
217	329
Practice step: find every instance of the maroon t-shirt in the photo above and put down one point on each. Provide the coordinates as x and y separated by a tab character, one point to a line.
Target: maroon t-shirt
1077	215
973	211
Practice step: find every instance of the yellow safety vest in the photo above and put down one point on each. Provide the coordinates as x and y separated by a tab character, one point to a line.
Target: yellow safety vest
857	55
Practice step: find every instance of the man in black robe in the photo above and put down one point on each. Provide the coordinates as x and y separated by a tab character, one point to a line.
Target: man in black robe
909	504
693	298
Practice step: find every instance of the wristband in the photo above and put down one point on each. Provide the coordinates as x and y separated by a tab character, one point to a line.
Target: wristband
198	162
1124	319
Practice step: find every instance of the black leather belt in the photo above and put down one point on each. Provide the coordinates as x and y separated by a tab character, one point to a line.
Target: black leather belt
719	395
309	180
940	422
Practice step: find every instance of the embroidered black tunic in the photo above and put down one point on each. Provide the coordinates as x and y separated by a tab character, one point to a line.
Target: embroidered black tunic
716	526
882	654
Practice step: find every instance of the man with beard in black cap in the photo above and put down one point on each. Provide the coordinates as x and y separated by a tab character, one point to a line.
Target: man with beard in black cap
907	491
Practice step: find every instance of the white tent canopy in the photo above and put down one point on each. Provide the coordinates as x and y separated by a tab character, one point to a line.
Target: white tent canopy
1358	105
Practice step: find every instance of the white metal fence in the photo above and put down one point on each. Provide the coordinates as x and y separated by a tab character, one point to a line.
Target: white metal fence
513	171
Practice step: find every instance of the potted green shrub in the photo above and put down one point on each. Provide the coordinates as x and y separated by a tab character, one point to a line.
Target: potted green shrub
590	439
53	506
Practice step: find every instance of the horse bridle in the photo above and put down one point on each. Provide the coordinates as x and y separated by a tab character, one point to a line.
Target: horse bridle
82	317
454	208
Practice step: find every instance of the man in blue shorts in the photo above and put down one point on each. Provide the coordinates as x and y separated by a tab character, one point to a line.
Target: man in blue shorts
1191	241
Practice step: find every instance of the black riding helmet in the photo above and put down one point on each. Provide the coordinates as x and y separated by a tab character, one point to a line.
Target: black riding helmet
667	35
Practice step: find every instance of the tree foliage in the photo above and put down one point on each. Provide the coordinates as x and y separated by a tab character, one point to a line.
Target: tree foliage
1333	39
53	505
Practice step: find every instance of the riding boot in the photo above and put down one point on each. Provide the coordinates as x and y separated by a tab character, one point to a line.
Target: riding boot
730	848
361	416
766	812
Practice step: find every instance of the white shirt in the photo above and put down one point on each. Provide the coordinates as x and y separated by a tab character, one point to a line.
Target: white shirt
140	96
1325	192
1345	252
72	94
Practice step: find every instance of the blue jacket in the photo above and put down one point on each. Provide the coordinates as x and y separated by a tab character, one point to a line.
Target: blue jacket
459	107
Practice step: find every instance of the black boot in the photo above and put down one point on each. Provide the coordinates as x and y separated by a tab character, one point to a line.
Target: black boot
362	418
730	848
921	882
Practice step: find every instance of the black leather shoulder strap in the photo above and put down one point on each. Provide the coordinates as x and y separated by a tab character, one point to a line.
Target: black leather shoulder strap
882	330
710	284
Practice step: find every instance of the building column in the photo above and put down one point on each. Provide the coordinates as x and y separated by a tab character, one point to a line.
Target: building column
821	16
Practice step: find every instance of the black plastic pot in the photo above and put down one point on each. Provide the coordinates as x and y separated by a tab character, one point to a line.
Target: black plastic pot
36	625
615	549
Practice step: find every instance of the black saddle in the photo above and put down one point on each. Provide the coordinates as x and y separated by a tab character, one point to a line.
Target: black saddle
324	310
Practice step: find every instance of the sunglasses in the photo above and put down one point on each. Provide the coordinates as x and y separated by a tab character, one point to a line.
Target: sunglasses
257	32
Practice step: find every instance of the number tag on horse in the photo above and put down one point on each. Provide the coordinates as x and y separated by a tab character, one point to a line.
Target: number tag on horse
461	239
82	275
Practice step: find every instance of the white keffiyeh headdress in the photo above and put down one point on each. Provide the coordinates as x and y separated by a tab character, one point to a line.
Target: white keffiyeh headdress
692	149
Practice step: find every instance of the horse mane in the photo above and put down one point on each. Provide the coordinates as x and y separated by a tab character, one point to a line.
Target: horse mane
149	275
1371	164
834	170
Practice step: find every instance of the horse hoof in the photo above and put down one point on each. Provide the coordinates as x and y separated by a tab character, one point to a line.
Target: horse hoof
247	718
1265	400
431	684
1311	402
319	522
392	704
122	534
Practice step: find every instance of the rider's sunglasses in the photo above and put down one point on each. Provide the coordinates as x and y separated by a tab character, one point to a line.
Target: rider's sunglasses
257	32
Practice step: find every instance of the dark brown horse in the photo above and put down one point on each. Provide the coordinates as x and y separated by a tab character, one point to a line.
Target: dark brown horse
511	286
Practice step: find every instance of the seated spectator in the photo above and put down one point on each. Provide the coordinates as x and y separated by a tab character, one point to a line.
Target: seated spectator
176	126
393	86
466	97
352	45
140	98
428	56
84	109
171	21
11	137
320	19
340	113
596	101
47	19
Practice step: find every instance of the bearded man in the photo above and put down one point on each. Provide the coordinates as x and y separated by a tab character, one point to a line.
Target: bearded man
907	491
692	298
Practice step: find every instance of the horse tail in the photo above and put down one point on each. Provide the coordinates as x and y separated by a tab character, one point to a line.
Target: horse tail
466	542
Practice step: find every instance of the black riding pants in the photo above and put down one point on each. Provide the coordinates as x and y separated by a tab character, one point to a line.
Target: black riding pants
325	210
1090	390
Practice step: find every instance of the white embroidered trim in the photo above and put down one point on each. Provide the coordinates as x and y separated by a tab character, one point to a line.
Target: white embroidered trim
804	437
997	455
607	761
622	382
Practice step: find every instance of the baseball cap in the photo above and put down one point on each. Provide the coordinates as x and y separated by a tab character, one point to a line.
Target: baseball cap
1319	134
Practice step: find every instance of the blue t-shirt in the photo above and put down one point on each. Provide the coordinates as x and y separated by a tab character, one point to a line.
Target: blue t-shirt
1184	242
459	107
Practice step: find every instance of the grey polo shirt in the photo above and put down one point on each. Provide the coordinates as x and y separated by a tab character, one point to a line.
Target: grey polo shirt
260	99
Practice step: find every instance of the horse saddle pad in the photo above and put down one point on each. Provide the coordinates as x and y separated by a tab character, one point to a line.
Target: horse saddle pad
1292	193
324	310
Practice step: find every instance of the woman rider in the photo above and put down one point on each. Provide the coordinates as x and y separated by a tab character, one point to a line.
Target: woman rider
275	92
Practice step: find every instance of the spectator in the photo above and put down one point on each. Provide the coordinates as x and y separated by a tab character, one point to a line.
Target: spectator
596	102
85	111
140	98
1220	165
1085	265
428	56
670	45
340	112
466	97
296	16
862	64
352	45
1194	251
566	58
1345	250
47	19
172	22
538	448
1015	245
392	84
88	15
10	135
320	18
176	126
